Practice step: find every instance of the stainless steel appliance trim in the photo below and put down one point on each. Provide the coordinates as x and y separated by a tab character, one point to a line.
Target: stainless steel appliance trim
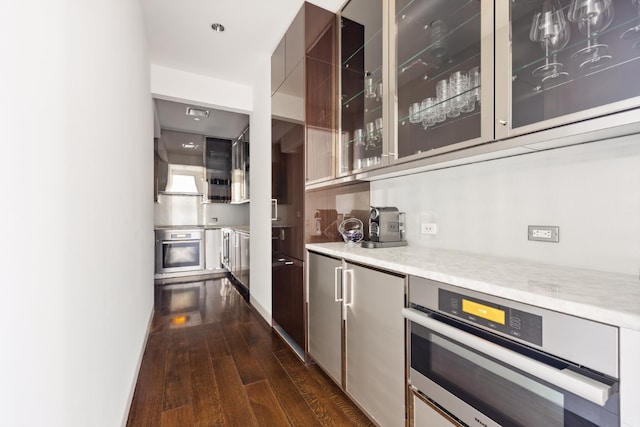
462	409
587	388
594	345
168	236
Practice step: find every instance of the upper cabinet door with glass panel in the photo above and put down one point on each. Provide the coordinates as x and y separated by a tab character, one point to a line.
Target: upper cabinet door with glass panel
443	75
569	60
362	76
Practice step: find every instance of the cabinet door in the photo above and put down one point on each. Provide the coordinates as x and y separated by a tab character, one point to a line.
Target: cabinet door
244	263
563	61
362	116
444	75
213	249
288	298
325	314
375	373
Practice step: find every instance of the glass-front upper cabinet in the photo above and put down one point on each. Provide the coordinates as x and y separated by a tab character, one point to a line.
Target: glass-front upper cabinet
569	60
362	116
443	75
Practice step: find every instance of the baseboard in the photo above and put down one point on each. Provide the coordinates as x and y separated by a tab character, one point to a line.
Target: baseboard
125	418
261	310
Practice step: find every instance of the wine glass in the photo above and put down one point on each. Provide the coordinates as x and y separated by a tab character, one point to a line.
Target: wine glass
593	17
633	32
549	27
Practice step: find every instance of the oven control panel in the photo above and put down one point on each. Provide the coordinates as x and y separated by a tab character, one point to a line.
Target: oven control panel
516	323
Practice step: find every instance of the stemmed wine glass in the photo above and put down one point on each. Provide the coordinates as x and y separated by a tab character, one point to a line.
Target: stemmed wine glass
633	32
549	27
593	17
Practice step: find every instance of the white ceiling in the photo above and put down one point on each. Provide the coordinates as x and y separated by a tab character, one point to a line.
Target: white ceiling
180	36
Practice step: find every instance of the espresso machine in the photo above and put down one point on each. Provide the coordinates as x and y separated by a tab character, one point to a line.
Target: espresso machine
386	228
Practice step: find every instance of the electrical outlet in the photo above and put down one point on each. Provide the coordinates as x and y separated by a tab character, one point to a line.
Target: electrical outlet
544	233
428	228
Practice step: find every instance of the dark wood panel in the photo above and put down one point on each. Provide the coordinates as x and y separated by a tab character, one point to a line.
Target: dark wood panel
216	343
247	366
317	20
298	411
178	417
207	405
177	382
288	299
324	408
265	405
236	405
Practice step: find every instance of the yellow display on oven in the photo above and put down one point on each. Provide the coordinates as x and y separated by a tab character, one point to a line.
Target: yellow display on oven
483	311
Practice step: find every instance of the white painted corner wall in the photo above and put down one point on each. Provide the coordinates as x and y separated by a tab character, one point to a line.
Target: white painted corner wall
76	264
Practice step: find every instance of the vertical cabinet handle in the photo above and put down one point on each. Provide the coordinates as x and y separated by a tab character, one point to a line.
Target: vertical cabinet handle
274	202
335	283
347	289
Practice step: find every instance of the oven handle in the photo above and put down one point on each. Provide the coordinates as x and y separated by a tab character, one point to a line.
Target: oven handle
587	388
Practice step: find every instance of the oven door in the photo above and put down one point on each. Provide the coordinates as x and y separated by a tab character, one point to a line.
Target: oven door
175	254
485	380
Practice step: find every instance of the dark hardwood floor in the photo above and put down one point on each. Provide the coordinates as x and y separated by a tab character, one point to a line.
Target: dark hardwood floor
211	360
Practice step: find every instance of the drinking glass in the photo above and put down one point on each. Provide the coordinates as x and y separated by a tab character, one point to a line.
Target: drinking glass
358	136
473	91
633	32
429	112
593	17
442	95
369	86
414	113
550	28
437	32
378	125
458	85
371	136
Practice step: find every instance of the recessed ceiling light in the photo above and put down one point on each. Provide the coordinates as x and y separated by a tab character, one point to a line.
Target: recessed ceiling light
197	112
196	119
218	28
190	145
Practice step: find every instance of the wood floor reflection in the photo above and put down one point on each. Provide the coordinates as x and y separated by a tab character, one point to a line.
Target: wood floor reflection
211	360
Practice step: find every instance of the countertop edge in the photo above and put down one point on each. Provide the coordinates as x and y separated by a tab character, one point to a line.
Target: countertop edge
554	288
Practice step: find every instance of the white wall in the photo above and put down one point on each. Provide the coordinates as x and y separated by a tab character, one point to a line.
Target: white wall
76	264
177	85
260	137
591	191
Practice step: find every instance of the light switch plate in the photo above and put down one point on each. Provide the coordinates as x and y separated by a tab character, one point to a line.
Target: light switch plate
544	233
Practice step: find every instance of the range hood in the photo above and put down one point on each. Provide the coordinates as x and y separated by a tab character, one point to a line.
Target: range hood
181	159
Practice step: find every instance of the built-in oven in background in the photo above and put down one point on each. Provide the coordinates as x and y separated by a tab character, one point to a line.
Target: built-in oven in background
179	251
478	360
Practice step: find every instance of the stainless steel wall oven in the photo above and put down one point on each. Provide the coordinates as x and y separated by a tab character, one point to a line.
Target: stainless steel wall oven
179	251
486	361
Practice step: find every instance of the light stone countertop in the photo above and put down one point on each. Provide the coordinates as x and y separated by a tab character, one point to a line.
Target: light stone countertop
610	298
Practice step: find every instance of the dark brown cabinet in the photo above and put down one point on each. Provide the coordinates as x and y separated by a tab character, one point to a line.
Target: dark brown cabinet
288	297
303	106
